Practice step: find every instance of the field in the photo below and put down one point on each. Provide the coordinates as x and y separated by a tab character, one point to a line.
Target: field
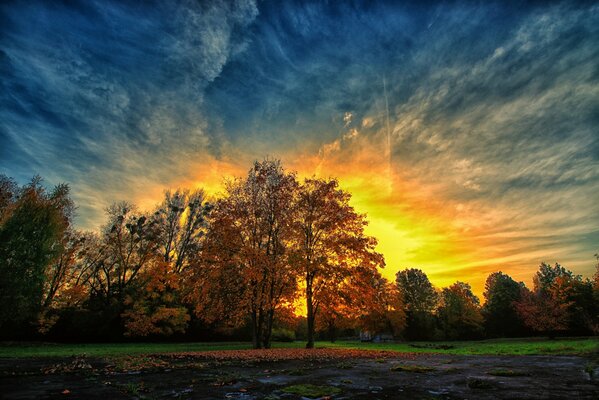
532	346
491	369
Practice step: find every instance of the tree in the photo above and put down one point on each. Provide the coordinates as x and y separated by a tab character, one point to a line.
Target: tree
59	286
546	276
154	308
31	228
9	192
384	311
547	309
420	299
330	244
459	312
247	246
418	292
542	312
182	223
500	314
130	241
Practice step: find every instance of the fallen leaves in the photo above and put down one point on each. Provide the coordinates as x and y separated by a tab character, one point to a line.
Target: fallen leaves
293	354
78	364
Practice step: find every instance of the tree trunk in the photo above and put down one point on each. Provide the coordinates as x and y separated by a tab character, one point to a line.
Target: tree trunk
268	329
332	335
256	330
310	307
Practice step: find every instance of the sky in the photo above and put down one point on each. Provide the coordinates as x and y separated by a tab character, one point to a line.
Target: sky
468	132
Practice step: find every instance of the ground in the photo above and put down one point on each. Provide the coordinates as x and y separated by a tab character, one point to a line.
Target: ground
294	373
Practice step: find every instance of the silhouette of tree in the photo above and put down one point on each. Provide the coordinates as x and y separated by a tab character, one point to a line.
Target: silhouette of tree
459	312
384	310
501	294
182	223
420	299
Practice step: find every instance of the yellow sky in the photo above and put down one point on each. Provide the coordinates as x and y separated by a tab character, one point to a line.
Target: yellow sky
415	223
409	234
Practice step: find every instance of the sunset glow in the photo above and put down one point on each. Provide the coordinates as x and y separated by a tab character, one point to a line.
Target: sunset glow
467	133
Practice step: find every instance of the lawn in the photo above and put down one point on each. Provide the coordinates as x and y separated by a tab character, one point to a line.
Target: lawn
527	346
532	346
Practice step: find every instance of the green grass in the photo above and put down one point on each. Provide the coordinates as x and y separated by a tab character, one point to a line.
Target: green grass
532	346
120	349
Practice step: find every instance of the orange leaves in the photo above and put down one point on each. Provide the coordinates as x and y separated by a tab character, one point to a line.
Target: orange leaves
153	309
293	354
542	312
331	248
247	249
548	307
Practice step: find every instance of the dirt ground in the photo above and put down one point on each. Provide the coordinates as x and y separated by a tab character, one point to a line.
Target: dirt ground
343	375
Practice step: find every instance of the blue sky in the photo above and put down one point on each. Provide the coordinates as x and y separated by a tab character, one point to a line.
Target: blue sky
462	128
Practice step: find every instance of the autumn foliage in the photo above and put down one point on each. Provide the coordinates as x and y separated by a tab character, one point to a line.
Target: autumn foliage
248	264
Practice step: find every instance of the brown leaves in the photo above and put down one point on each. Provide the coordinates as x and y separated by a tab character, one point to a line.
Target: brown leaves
78	364
293	354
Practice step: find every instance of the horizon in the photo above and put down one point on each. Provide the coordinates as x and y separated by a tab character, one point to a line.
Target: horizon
466	133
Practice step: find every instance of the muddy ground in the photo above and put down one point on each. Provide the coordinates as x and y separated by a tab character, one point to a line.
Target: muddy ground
391	376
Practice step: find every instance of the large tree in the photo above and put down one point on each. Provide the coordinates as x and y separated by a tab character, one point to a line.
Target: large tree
545	309
560	301
459	312
420	299
32	226
330	244
248	246
501	294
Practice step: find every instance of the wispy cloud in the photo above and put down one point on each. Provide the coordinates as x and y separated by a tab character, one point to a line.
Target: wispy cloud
492	114
109	97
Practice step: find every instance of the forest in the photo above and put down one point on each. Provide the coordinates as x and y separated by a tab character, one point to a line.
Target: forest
273	258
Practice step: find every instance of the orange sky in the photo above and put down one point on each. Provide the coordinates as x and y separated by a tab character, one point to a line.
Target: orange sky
415	226
466	132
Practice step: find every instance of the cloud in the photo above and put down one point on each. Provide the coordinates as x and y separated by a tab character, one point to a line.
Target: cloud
109	96
492	114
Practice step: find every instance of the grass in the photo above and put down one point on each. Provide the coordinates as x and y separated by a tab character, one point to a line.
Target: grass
532	346
528	346
18	350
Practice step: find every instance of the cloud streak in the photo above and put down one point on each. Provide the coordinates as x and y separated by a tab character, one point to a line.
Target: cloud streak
492	113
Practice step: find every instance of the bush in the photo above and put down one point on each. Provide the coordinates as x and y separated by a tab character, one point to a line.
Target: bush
283	335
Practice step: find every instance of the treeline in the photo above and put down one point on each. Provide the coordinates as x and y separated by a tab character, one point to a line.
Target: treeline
239	265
